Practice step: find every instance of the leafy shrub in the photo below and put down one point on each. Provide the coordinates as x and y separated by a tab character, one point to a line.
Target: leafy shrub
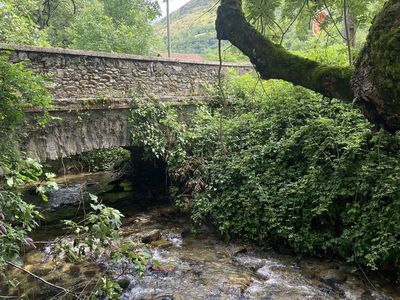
20	89
95	238
282	167
105	159
307	174
17	24
97	230
18	218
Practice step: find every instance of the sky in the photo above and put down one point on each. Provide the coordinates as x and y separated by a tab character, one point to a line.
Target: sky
173	4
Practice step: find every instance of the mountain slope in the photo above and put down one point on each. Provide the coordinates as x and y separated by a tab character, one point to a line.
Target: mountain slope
192	27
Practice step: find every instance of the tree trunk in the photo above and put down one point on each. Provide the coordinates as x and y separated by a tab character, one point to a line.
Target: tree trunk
351	23
376	81
375	87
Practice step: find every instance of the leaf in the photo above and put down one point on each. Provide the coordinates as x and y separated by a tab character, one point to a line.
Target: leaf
10	182
93	198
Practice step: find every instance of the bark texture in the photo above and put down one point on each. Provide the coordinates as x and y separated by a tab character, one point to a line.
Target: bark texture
375	86
376	82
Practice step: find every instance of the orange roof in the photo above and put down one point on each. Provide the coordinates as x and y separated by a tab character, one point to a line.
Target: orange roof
319	19
183	56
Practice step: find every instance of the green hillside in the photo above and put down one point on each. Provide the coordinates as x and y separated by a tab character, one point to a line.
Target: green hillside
192	27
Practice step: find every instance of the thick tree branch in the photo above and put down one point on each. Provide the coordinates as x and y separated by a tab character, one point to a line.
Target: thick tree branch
274	62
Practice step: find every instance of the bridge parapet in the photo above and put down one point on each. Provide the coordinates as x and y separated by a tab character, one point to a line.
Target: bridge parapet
76	74
93	92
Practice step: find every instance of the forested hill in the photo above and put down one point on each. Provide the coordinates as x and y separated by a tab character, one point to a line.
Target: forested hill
192	27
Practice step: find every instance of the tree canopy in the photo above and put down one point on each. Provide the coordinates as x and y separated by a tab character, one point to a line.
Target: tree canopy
17	24
114	26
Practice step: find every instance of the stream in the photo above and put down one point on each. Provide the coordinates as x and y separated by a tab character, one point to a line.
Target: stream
189	266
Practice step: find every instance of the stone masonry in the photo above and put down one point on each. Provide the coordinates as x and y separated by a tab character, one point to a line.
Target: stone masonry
85	81
81	75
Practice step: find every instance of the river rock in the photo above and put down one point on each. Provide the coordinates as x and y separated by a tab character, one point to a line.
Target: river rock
150	236
41	269
74	270
250	262
162	268
163	244
240	283
127	231
34	257
234	250
355	293
124	282
333	276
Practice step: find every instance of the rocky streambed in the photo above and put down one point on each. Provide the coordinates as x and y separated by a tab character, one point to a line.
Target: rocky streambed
201	266
194	266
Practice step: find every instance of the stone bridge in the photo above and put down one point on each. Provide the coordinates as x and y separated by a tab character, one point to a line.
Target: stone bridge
93	93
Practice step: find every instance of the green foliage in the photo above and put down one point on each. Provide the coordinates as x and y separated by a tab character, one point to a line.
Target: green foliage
159	130
30	171
20	89
147	131
91	235
56	17
100	25
229	53
17	24
109	289
278	166
128	250
96	236
334	55
105	159
115	26
18	218
289	20
306	174
192	26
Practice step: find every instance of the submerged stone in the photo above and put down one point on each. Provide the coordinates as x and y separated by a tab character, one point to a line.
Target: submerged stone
234	250
333	276
150	236
163	244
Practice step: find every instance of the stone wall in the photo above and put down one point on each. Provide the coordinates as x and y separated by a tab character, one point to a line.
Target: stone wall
96	75
77	132
93	93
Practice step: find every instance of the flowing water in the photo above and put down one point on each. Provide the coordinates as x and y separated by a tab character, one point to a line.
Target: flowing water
184	265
